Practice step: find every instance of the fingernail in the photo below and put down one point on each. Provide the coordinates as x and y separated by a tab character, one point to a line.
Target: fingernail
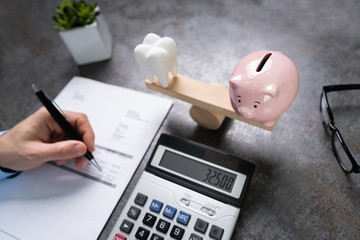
78	149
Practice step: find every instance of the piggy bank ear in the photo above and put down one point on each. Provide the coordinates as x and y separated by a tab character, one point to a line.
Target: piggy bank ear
232	84
270	91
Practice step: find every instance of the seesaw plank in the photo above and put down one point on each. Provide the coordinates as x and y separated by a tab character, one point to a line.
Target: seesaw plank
212	97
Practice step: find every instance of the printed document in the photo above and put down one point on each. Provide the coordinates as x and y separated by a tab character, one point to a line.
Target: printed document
62	202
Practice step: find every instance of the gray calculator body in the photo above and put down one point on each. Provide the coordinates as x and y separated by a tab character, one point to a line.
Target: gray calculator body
187	191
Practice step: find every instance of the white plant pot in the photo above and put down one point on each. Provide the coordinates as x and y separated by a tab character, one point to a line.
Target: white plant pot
89	44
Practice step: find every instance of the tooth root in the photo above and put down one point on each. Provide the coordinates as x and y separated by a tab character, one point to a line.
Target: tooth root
163	77
151	78
157	56
174	69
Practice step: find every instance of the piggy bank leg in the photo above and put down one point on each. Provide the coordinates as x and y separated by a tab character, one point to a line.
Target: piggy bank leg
269	123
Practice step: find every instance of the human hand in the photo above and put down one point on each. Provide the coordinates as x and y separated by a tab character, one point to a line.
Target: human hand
39	139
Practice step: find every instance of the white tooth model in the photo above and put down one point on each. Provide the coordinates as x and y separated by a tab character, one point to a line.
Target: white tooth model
157	56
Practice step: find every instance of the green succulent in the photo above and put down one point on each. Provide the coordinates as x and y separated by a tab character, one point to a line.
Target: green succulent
74	14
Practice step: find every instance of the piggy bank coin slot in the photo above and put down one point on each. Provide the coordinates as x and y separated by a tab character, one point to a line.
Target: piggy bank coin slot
263	61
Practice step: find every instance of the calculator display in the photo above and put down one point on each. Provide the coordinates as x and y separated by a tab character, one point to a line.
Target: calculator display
197	170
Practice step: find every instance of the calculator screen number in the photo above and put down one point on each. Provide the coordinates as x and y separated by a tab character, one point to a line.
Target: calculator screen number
197	170
219	179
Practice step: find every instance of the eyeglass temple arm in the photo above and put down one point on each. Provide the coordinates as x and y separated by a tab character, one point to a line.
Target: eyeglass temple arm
330	88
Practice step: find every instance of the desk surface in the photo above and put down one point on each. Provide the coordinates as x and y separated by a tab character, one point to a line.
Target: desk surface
298	190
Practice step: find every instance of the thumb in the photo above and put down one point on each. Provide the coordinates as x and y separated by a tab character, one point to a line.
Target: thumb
63	150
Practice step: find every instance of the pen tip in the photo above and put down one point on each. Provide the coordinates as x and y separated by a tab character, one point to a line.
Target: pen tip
96	164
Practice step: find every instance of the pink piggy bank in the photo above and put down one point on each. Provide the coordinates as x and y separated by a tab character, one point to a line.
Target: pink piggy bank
263	85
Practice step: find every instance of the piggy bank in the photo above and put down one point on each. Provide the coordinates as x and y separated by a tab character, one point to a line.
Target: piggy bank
263	85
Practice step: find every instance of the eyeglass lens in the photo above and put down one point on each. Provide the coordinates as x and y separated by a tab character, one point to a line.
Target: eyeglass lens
342	157
325	114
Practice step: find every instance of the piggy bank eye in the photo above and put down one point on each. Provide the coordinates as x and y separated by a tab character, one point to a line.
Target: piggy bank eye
256	104
239	101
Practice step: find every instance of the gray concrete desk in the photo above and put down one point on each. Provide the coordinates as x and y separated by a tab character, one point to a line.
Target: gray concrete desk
298	190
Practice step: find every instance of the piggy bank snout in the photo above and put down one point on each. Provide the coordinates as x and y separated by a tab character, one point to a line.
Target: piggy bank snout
246	112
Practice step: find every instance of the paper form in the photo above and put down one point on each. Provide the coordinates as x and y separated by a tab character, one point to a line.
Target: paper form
53	202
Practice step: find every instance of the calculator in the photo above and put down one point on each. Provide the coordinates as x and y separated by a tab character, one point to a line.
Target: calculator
188	191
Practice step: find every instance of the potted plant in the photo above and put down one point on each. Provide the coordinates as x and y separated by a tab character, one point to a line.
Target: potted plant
83	30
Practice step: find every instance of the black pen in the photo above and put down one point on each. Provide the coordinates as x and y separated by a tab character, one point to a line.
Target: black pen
62	122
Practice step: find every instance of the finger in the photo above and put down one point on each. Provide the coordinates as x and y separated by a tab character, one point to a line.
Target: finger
81	162
59	162
83	127
43	118
64	150
62	162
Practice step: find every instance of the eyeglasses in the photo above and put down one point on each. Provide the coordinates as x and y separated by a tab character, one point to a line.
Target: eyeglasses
341	151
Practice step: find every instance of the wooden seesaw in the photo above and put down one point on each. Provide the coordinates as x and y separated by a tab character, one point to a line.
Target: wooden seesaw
211	101
262	77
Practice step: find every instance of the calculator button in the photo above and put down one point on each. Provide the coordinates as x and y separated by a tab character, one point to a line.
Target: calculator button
183	218
216	232
163	226
201	225
185	201
155	236
142	233
177	232
169	212
149	219
193	236
156	206
133	212
118	236
208	211
126	226
140	199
